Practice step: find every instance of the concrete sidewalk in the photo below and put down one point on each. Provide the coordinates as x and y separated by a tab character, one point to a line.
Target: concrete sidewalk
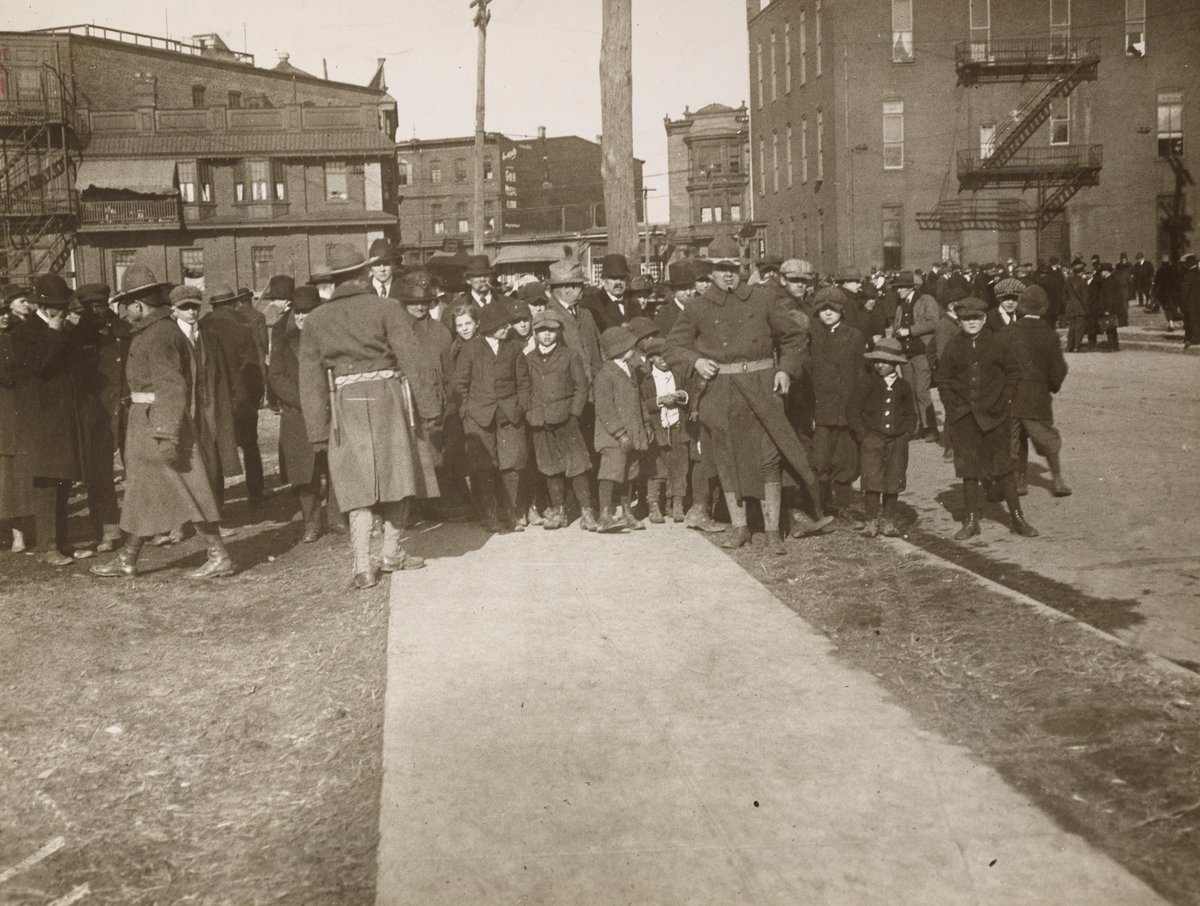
581	719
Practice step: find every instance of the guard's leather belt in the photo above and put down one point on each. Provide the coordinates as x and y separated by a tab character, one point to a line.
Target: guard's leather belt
744	367
386	374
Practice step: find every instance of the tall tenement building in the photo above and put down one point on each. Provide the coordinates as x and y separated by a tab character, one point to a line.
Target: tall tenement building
898	132
116	146
708	174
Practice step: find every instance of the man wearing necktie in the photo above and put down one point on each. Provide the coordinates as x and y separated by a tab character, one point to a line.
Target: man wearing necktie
383	260
478	274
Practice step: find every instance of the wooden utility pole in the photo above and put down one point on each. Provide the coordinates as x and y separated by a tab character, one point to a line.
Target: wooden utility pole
616	117
482	16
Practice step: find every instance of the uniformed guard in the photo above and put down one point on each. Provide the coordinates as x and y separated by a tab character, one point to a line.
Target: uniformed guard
170	448
728	334
370	401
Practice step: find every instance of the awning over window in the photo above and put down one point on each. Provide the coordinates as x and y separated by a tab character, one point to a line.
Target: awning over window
534	253
146	177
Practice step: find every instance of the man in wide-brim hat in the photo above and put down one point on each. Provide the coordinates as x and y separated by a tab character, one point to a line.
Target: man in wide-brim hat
171	460
729	335
372	399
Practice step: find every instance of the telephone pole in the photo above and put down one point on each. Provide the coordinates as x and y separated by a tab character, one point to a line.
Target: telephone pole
616	140
482	16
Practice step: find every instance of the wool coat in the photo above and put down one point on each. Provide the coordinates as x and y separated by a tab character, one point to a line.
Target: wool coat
741	412
977	378
579	331
161	496
1039	356
493	393
239	389
16	416
296	456
607	311
920	313
558	386
619	410
382	449
1075	297
836	363
55	425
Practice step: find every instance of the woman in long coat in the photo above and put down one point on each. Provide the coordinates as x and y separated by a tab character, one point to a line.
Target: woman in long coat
170	451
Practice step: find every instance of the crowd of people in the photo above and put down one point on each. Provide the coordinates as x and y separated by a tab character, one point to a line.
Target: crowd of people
757	395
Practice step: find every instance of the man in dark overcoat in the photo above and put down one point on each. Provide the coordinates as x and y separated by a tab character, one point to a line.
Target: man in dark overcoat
1143	278
1189	301
1165	292
579	330
478	272
608	303
58	459
370	401
1040	360
239	389
16	414
171	454
729	335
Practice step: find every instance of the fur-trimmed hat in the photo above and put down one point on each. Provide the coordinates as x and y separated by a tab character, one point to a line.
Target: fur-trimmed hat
616	341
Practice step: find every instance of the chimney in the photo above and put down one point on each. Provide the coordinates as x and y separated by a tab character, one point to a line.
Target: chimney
542	132
283	57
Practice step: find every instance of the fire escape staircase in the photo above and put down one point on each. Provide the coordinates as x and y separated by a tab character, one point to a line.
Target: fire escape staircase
39	152
1057	172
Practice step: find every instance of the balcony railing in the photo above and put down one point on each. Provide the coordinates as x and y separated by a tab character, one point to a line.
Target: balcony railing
40	204
142	40
151	212
1052	163
1054	49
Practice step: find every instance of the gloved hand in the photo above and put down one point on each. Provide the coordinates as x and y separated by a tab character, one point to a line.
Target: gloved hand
168	450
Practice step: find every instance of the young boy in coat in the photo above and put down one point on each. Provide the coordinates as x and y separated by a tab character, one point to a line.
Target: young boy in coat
620	427
977	377
835	361
491	381
883	416
558	393
664	402
1040	360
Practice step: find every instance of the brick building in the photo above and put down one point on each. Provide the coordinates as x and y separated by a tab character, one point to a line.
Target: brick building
192	160
898	132
708	174
538	193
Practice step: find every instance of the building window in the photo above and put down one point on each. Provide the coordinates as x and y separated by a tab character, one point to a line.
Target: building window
1060	27
198	96
787	57
980	18
489	169
775	161
735	212
489	216
121	259
706	214
788	156
1170	123
336	186
439	220
510	204
893	237
902	31
235	100
191	265
760	75
460	169
762	166
820	146
1135	28
774	71
709	159
893	135
817	35
435	171
262	264
803	149
987	140
195	183
254	182
803	47
402	173
460	212
1060	123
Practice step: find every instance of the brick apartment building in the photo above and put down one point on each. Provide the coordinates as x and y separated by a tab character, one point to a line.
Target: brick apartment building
538	193
186	157
708	174
897	132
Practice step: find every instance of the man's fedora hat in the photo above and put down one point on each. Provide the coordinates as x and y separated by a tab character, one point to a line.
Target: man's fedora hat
281	286
478	266
137	280
51	291
343	259
305	299
381	252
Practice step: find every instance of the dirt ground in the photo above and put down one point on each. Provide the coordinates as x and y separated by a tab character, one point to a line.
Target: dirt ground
1106	743
221	743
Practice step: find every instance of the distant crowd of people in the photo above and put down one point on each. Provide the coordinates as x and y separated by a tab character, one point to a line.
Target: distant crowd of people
544	402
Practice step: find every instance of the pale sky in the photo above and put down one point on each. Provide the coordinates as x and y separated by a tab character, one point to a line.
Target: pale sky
543	56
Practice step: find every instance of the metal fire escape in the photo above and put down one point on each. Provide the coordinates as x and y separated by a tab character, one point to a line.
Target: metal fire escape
1056	172
39	153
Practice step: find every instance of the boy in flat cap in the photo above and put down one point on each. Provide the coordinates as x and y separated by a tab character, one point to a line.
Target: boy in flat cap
977	377
558	393
836	365
620	428
491	382
883	417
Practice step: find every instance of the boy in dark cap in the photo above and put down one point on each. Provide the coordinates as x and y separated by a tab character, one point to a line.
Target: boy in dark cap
977	377
835	363
883	417
620	428
558	393
491	381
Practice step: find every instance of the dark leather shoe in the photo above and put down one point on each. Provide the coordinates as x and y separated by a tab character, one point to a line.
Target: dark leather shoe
969	530
365	580
888	529
699	520
588	521
213	568
1021	527
311	534
56	558
775	545
737	536
403	562
121	565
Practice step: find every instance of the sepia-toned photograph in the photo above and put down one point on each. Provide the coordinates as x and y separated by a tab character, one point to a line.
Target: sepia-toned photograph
600	453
